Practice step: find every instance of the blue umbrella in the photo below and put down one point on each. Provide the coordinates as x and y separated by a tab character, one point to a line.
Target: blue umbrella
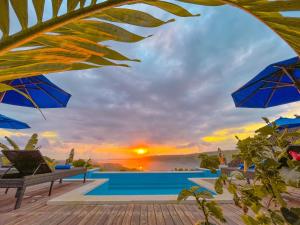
42	91
287	122
277	84
9	123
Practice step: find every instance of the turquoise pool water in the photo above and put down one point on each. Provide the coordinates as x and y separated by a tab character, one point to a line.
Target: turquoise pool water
144	183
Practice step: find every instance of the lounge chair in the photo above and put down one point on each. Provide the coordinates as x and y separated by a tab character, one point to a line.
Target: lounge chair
32	170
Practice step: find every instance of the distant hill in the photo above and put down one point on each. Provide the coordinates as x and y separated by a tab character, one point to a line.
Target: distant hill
228	154
159	162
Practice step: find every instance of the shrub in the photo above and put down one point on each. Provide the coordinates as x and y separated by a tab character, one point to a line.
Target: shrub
210	162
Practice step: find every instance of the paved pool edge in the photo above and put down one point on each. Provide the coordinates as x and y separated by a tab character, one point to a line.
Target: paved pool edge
77	196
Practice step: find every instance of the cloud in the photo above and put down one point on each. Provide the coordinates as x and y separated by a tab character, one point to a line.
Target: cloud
228	134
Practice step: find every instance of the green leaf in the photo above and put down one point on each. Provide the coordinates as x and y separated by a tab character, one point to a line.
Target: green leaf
33	69
71	5
219	183
32	142
3	146
110	31
248	220
4	18
12	143
86	41
171	8
237	175
266	120
204	2
203	194
5	87
255	207
277	218
130	16
215	210
56	4
183	195
21	10
39	9
291	215
275	6
4	160
82	3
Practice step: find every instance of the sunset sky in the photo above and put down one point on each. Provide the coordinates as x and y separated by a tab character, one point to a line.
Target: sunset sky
176	101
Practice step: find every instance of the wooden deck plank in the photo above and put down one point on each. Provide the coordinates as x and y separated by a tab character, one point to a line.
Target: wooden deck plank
75	217
128	215
120	216
136	215
185	220
144	215
159	215
167	217
89	216
176	218
151	215
35	211
101	219
194	219
112	216
94	217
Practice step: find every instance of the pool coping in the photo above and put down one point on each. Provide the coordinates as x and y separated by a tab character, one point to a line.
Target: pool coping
77	196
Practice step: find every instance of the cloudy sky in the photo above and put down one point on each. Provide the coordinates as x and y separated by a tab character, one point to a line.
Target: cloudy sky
176	101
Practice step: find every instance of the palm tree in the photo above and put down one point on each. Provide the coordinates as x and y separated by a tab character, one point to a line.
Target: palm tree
72	40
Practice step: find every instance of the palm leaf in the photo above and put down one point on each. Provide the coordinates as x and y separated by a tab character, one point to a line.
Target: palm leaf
269	13
70	40
5	87
12	143
74	35
32	142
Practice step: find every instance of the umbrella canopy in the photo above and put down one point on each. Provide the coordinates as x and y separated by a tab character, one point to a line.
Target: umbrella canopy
287	122
8	123
277	84
42	91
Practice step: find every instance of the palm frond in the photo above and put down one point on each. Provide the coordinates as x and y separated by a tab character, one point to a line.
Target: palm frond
3	146
269	13
32	142
71	40
12	143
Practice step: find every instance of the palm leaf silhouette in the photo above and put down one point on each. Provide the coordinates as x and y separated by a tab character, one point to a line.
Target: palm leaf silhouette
71	40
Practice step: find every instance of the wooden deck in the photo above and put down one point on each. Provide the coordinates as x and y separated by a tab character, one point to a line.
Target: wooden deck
35	211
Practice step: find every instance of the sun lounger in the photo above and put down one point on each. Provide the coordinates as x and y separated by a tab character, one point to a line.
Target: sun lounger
32	170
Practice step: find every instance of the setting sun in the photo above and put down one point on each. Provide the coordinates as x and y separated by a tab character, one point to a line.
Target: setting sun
141	151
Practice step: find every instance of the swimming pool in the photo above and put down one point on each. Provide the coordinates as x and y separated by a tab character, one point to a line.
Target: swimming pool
144	183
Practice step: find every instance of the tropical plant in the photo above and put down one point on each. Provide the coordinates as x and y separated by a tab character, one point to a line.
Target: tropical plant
70	39
264	196
71	157
30	145
209	208
82	163
210	162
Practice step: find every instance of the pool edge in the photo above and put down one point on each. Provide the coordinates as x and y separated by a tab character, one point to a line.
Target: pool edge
77	196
